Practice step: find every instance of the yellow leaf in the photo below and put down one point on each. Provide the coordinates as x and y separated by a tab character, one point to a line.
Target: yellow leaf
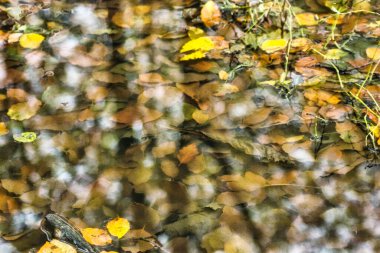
31	40
193	56
271	46
203	43
118	227
123	19
26	110
200	116
96	236
3	129
25	137
373	53
56	246
306	19
223	75
210	14
195	33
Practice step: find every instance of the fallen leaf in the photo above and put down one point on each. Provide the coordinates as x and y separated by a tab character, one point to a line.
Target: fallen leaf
118	227
25	137
31	40
107	77
96	93
25	110
3	129
55	246
188	153
271	46
210	14
307	19
131	114
153	78
373	53
200	116
202	43
124	18
96	236
16	186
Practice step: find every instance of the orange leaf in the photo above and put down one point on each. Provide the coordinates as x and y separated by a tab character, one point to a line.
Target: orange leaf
187	153
210	14
96	236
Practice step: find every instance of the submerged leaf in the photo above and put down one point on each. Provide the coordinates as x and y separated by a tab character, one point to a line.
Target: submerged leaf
26	110
25	137
31	40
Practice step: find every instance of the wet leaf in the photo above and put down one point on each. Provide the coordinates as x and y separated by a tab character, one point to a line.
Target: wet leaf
131	114
25	110
55	246
203	43
373	53
271	46
210	14
188	153
25	137
107	77
335	54
118	227
3	129
307	19
31	40
193	56
96	236
16	186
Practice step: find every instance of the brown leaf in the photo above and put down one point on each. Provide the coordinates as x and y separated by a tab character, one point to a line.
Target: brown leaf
257	116
153	78
15	186
131	114
188	153
210	14
107	77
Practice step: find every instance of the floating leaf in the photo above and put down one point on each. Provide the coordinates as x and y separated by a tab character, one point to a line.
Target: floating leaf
118	227
271	46
193	56
55	246
25	137
3	129
306	19
96	236
373	53
210	14
203	43
31	40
